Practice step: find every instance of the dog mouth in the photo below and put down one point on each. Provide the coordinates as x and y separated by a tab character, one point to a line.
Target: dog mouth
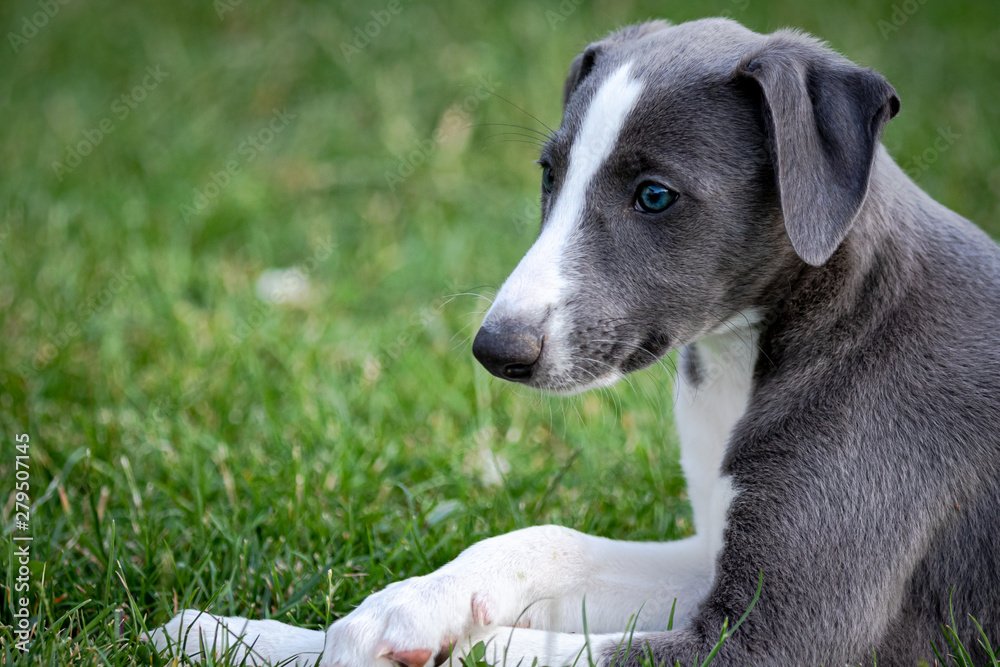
586	357
578	371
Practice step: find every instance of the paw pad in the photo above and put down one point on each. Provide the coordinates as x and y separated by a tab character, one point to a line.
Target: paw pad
417	658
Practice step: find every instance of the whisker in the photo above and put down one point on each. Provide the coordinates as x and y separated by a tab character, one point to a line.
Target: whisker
451	297
738	333
463	343
635	346
611	366
517	134
601	389
513	141
665	362
465	339
611	390
519	127
532	116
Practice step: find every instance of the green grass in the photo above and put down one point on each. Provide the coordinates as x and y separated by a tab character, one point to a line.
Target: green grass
193	447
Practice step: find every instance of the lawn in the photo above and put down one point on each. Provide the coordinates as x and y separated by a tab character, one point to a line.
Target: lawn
198	442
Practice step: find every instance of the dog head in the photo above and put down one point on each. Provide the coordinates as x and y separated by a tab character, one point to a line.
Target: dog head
694	166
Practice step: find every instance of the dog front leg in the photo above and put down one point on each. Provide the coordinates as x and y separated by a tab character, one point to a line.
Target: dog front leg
201	636
543	578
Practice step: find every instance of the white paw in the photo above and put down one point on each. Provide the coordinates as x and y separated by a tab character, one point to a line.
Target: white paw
198	635
410	622
508	580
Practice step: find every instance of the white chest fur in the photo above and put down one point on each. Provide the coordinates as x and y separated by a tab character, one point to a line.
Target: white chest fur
711	395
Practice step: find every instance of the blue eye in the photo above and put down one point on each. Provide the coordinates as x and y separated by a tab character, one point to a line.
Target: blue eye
548	179
654	198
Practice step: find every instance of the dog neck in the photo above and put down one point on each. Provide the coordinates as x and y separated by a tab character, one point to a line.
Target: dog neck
865	280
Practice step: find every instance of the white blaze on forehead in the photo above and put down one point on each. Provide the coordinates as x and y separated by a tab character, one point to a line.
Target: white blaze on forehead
538	282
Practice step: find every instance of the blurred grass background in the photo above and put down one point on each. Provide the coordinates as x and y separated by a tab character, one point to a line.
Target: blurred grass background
192	444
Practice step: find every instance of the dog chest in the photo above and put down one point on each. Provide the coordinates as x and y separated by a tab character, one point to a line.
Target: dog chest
711	394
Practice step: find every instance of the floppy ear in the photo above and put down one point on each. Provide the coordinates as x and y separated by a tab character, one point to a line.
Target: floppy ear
823	116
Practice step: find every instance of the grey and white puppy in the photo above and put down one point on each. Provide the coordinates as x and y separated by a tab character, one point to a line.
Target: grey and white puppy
725	193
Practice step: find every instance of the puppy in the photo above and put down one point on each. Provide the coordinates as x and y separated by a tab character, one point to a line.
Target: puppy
725	193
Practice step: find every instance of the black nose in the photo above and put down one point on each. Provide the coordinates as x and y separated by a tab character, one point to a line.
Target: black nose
510	354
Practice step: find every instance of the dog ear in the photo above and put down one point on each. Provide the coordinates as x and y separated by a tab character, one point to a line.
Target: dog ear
823	116
584	63
579	70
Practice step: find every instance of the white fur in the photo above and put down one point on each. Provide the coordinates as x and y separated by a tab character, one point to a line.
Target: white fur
195	633
535	288
706	414
738	322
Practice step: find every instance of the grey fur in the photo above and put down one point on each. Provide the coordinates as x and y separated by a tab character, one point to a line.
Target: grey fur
868	462
691	365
